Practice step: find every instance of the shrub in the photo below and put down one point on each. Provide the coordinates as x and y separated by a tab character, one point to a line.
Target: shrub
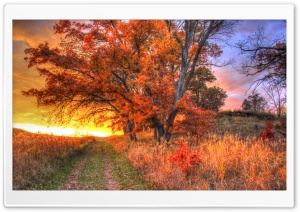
186	160
267	134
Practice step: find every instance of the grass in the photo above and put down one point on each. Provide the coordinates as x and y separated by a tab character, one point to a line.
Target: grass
225	164
37	158
61	176
92	174
124	172
238	126
232	157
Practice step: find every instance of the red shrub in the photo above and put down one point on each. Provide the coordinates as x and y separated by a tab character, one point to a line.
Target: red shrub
267	134
185	159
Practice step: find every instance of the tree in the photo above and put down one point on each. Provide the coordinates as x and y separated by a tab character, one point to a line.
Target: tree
209	98
266	58
90	75
198	85
130	73
192	37
275	95
255	102
213	98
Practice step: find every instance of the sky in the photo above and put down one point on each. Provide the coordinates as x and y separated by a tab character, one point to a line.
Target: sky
33	32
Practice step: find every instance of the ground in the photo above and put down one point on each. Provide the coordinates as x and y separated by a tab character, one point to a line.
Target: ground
99	167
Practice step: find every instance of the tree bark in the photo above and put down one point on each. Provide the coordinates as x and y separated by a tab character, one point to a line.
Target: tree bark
160	133
155	133
169	124
128	130
185	76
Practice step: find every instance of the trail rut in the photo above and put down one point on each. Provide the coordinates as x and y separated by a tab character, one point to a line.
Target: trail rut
72	182
110	182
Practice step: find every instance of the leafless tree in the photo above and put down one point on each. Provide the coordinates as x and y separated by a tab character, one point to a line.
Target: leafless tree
275	95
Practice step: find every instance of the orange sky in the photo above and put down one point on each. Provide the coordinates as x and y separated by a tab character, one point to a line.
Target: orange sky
27	116
25	113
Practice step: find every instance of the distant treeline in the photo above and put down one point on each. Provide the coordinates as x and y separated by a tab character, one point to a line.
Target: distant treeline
248	113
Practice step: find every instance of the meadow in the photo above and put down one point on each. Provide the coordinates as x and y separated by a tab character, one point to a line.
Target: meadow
236	155
232	157
37	157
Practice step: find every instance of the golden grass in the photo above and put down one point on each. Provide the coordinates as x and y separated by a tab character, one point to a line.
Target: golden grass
227	163
36	156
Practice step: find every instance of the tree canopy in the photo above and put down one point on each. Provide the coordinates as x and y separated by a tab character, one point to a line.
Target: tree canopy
131	73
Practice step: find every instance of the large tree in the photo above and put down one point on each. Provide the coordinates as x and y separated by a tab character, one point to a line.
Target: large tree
193	36
130	73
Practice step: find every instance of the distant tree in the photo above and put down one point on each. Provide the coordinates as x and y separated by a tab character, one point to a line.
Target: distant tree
255	102
266	58
209	98
275	95
198	85
213	98
246	105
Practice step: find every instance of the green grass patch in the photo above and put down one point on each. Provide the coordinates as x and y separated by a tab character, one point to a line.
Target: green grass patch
124	172
92	174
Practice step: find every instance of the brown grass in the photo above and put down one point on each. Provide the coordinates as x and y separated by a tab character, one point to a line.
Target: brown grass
38	156
227	163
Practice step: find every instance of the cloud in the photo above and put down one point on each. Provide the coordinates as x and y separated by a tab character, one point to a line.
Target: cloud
35	31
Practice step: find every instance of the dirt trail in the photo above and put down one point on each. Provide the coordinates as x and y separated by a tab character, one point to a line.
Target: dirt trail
110	182
72	183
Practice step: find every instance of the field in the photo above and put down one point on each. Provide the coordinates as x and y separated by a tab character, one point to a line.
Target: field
234	156
36	157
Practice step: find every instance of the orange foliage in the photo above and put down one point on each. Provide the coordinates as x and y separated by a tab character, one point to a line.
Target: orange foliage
193	120
123	72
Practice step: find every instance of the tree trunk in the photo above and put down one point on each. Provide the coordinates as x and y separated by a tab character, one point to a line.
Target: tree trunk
155	133
128	130
159	132
169	124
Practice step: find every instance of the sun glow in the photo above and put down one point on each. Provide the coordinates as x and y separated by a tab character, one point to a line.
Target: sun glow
59	130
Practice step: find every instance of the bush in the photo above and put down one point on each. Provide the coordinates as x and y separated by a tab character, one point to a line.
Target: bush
267	134
186	160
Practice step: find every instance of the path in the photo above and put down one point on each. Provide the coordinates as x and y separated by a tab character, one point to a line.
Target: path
110	182
73	183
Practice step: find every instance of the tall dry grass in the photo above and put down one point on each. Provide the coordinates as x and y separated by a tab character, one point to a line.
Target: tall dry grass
226	163
37	156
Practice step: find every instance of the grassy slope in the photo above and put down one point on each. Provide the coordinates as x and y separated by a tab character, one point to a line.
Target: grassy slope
241	126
